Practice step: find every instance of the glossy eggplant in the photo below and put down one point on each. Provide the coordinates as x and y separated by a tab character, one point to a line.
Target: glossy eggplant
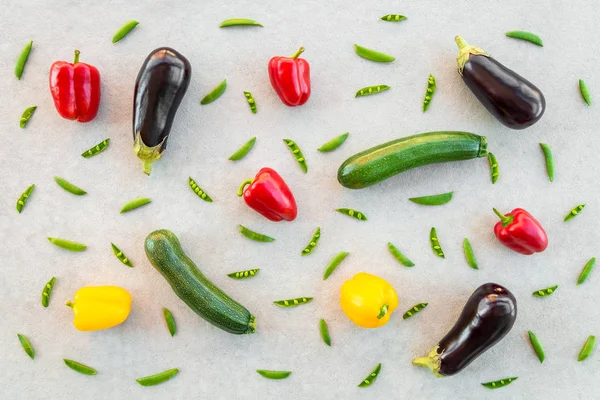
159	89
509	97
487	317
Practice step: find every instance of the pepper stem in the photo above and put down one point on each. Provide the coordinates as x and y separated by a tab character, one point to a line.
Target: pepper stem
382	311
505	220
462	43
240	191
77	53
69	304
300	51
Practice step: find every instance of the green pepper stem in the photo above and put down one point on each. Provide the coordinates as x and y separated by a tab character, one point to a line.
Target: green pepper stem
240	191
297	54
77	53
505	220
382	311
69	304
462	43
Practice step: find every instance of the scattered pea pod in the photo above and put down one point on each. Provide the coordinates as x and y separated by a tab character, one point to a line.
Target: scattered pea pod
159	378
171	325
545	292
574	212
124	30
239	22
393	18
201	193
414	309
324	332
333	143
244	274
499	383
251	102
429	92
81	368
24	197
135	203
352	213
587	270
215	93
292	302
402	259
26	116
297	153
585	93
528	36
245	149
433	200
274	374
313	243
435	244
99	148
22	60
47	291
494	170
369	90
69	187
334	263
258	237
372	54
587	348
469	254
67	244
26	345
122	257
537	346
549	160
371	378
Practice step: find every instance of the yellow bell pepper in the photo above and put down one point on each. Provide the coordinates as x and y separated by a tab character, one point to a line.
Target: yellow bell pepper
100	307
368	300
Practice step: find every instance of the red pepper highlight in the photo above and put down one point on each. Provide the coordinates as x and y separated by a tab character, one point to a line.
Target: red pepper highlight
519	231
269	195
75	89
290	77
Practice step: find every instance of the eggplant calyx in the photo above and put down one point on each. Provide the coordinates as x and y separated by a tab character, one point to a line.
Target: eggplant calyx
147	154
465	52
433	361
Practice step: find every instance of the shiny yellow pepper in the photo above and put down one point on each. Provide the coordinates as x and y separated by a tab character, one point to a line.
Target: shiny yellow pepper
100	307
368	300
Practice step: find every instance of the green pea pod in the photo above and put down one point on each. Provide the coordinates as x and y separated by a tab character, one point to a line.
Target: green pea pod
528	36
402	259
67	244
135	203
537	346
587	270
249	273
585	92
373	55
99	148
297	154
435	244
324	329
429	92
22	60
26	116
69	187
433	200
171	325
215	93
573	213
24	198
545	292
393	18
242	151
122	257
369	90
292	302
201	193
587	348
26	345
368	381
47	291
124	30
469	254
258	237
334	143
413	310
274	374
81	368
494	169
334	263
251	102
239	22
499	383
159	378
352	213
313	243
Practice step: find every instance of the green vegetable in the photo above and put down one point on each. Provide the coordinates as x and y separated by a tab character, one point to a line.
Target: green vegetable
334	263
159	378
587	348
215	93
297	154
238	22
122	257
369	90
372	54
324	332
402	259
414	309
433	200
494	170
47	291
259	237
26	116
313	243
537	346
67	244
69	187
435	244
574	212
530	37
352	213
585	93
22	60
124	30
469	255
201	295
429	92
388	159
274	374
545	292
24	197
549	160
251	102
135	203
81	368
587	270
245	149
99	148
201	193
26	345
292	302
333	143
499	383
171	325
244	274
371	378
393	18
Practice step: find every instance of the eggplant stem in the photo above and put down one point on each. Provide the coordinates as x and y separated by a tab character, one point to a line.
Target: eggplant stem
432	361
147	166
462	43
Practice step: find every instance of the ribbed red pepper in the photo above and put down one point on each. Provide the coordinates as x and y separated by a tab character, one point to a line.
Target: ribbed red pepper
519	231
290	77
75	89
269	195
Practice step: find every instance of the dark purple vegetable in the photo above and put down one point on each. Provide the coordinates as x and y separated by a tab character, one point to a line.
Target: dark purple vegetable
509	97
487	317
159	89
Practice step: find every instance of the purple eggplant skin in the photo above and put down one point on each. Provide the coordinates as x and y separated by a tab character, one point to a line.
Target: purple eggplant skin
509	97
487	317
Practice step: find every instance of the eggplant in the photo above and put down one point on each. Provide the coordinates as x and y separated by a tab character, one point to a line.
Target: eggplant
488	316
509	97
160	86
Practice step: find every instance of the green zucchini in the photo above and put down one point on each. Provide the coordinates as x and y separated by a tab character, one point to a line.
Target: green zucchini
201	295
386	160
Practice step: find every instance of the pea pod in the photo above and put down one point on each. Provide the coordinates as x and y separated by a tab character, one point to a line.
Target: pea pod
122	257
324	330
587	348
393	18
22	60
24	198
245	149
239	22
373	55
274	374
26	116
292	302
249	273
528	36
27	347
47	291
79	367
413	310
124	30
402	259
251	102
499	383
215	93
258	237
429	92
297	154
159	378
368	381
545	292
170	321
99	148
201	193
352	213
334	143
369	90
433	200
313	243
69	187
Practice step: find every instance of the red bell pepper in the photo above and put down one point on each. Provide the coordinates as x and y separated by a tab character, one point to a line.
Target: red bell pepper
519	231
75	89
290	77
269	195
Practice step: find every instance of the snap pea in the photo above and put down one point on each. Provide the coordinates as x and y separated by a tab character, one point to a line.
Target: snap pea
574	212
333	143
499	383
402	259
494	170
22	60
26	345
67	244
435	244
69	187
414	309
99	148
537	346
274	374
158	378
429	92
469	255
238	22
545	292
352	213
215	93
251	102
171	325
292	302
549	160
433	200
26	116
245	149
585	93
334	263
122	257
369	90
135	203
124	30
47	291
313	243
371	378
324	332
587	348
244	274
393	18
587	270
372	54
297	154
24	197
201	193
259	237
528	36
81	368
